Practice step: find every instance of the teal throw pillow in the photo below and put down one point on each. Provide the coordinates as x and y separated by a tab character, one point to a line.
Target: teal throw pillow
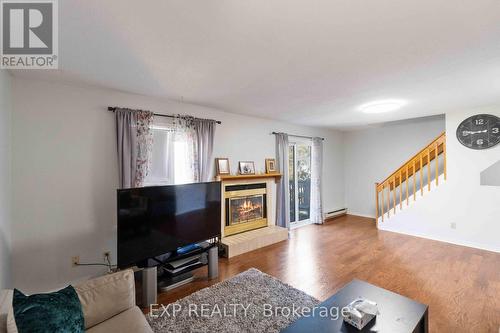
55	312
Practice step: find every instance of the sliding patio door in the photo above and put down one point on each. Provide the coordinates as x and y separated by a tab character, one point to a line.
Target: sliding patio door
299	170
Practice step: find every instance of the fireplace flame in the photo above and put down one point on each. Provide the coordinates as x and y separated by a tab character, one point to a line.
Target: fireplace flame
248	206
246	209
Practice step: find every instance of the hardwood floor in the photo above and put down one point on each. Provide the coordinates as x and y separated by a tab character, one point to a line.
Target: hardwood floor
461	285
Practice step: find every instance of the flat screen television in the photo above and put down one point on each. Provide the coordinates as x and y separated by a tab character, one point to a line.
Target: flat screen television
159	219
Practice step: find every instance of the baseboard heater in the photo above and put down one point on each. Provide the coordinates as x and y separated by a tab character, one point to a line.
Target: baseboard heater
335	213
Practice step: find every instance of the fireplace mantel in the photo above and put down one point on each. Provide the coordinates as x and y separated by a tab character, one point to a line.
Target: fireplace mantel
276	176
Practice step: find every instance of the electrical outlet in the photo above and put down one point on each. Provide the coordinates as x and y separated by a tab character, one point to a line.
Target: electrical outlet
453	225
75	261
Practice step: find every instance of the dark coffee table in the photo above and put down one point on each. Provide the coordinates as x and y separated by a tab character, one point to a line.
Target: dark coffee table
398	314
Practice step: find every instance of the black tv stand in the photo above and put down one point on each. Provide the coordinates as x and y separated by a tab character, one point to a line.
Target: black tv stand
153	283
166	283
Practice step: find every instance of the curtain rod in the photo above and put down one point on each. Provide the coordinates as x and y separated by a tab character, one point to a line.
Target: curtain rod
298	136
113	108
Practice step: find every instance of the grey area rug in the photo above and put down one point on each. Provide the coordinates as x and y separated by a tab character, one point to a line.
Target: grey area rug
251	301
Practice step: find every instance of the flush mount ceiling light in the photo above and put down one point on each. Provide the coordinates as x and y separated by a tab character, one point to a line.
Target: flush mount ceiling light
383	106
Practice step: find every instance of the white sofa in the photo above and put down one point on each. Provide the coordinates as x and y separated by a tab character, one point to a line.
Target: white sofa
108	305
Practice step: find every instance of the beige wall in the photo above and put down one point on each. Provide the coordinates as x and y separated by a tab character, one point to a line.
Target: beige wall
473	209
5	179
372	154
65	172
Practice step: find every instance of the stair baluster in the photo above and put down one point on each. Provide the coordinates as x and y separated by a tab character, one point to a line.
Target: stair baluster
403	174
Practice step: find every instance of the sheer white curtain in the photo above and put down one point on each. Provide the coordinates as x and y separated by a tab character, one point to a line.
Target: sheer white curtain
316	184
182	150
173	156
185	150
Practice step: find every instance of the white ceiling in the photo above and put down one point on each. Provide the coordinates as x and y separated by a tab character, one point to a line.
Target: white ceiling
309	62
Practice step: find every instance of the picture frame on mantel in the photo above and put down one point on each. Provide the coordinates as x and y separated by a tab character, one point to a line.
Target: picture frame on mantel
246	168
271	166
222	166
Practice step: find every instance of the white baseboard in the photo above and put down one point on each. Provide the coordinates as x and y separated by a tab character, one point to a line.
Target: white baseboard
439	239
359	214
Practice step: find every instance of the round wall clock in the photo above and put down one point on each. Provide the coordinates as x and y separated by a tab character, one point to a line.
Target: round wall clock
481	131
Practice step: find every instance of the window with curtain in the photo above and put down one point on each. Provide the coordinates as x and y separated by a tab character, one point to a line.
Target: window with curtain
173	157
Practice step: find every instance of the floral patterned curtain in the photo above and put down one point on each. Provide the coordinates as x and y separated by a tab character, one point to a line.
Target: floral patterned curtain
199	136
185	139
182	152
134	145
144	146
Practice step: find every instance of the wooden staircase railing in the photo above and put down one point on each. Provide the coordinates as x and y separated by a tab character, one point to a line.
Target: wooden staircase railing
412	167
